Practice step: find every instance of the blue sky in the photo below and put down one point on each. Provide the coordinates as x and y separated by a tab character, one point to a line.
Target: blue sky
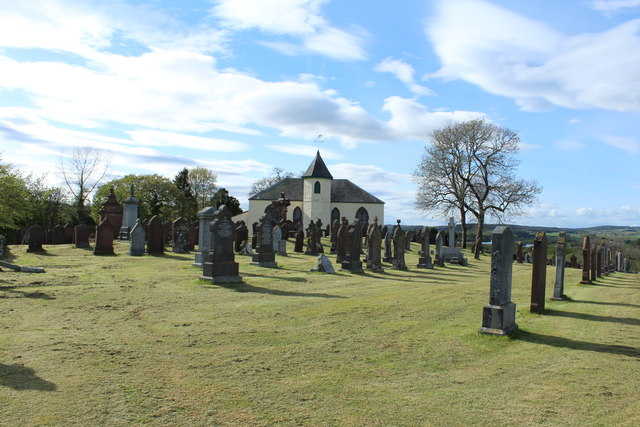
242	86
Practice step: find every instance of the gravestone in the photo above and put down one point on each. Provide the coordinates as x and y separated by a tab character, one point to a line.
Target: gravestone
527	258
425	257
499	316
167	232
334	235
312	240
137	237
242	235
277	236
264	256
519	252
68	233
352	261
374	247
593	263
81	235
299	245
246	248
57	235
408	236
558	286
385	231
254	235
220	266
129	214
205	216
155	236
586	260
36	238
180	239
342	243
398	248
573	261
324	265
112	210
104	238
439	247
603	257
538	273
598	251
619	260
452	233
192	235
388	245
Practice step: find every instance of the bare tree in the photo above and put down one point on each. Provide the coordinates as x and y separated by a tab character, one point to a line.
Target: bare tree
82	173
277	175
479	172
203	185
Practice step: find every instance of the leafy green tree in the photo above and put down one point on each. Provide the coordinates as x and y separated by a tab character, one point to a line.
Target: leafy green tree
186	202
158	195
202	183
222	197
14	193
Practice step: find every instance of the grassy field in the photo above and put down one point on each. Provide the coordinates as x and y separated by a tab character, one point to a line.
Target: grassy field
123	340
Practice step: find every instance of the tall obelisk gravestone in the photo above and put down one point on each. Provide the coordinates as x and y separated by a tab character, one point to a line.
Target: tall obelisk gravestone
538	273
558	287
499	316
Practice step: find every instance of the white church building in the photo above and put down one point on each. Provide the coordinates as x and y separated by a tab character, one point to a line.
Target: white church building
317	195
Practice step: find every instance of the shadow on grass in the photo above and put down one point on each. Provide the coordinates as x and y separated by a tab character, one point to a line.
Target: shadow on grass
286	279
552	341
35	294
244	287
593	317
169	255
620	304
19	377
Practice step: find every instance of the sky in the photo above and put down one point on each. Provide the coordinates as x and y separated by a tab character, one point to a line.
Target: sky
243	86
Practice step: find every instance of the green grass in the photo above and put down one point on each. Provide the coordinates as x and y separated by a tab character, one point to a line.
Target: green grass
127	340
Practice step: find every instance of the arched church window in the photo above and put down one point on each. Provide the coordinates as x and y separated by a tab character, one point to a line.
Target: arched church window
297	215
335	215
316	187
362	215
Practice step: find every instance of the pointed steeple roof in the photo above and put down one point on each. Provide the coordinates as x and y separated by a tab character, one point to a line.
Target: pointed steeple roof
317	169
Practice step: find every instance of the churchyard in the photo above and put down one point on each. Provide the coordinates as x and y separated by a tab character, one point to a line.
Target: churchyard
121	340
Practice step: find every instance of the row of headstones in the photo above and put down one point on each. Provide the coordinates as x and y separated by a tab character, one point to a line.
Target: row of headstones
58	235
499	315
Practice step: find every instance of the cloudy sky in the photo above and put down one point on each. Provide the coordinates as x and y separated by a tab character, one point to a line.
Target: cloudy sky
242	86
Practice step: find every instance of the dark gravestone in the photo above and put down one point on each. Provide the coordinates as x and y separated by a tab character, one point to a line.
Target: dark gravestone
192	235
586	260
205	216
81	235
137	237
558	286
299	245
342	241
385	231
573	261
264	256
499	316
180	239
36	238
220	266
57	235
593	263
598	250
167	233
408	236
425	257
398	248
313	239
538	273
519	252
68	233
241	235
112	211
155	236
374	247
352	261
334	235
104	238
388	245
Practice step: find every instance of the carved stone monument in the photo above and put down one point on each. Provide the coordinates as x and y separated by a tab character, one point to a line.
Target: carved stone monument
155	236
220	266
129	214
180	236
558	287
264	256
137	237
204	235
425	256
374	246
104	238
538	273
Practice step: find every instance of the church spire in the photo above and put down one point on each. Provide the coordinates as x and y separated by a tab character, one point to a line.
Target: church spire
317	169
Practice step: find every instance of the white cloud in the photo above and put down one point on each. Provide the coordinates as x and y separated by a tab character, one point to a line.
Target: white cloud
304	150
172	139
510	55
630	145
297	18
614	5
574	121
403	72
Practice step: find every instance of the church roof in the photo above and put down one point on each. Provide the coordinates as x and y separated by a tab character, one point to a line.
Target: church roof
317	169
342	191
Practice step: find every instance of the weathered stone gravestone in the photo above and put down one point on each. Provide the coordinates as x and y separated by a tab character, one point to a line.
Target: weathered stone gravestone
137	237
246	248
264	256
499	316
573	261
324	265
155	236
112	210
593	263
519	252
538	273
68	233
242	235
129	214
220	266
204	235
425	257
439	248
180	236
450	254
388	245
398	248
277	236
452	233
81	235
374	246
192	235
408	236
104	238
342	243
527	258
312	239
558	286
352	261
299	245
36	238
598	251
334	235
57	235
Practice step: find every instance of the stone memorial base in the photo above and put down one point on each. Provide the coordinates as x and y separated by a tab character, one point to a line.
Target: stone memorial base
265	259
424	261
221	272
499	319
136	252
314	253
200	259
451	255
560	298
352	266
124	233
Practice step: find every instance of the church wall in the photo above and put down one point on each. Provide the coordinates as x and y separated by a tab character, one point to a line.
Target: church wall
348	210
316	205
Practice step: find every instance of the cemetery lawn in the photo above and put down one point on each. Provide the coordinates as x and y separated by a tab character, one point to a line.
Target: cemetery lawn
119	340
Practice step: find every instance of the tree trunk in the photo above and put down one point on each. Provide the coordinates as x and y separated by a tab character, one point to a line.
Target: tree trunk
463	225
479	230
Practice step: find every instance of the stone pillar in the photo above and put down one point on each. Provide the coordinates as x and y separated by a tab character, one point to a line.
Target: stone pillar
558	287
519	252
538	273
594	263
129	215
452	233
204	235
425	257
598	261
498	317
586	260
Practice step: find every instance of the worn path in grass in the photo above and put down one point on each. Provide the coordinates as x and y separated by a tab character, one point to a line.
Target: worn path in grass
124	340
